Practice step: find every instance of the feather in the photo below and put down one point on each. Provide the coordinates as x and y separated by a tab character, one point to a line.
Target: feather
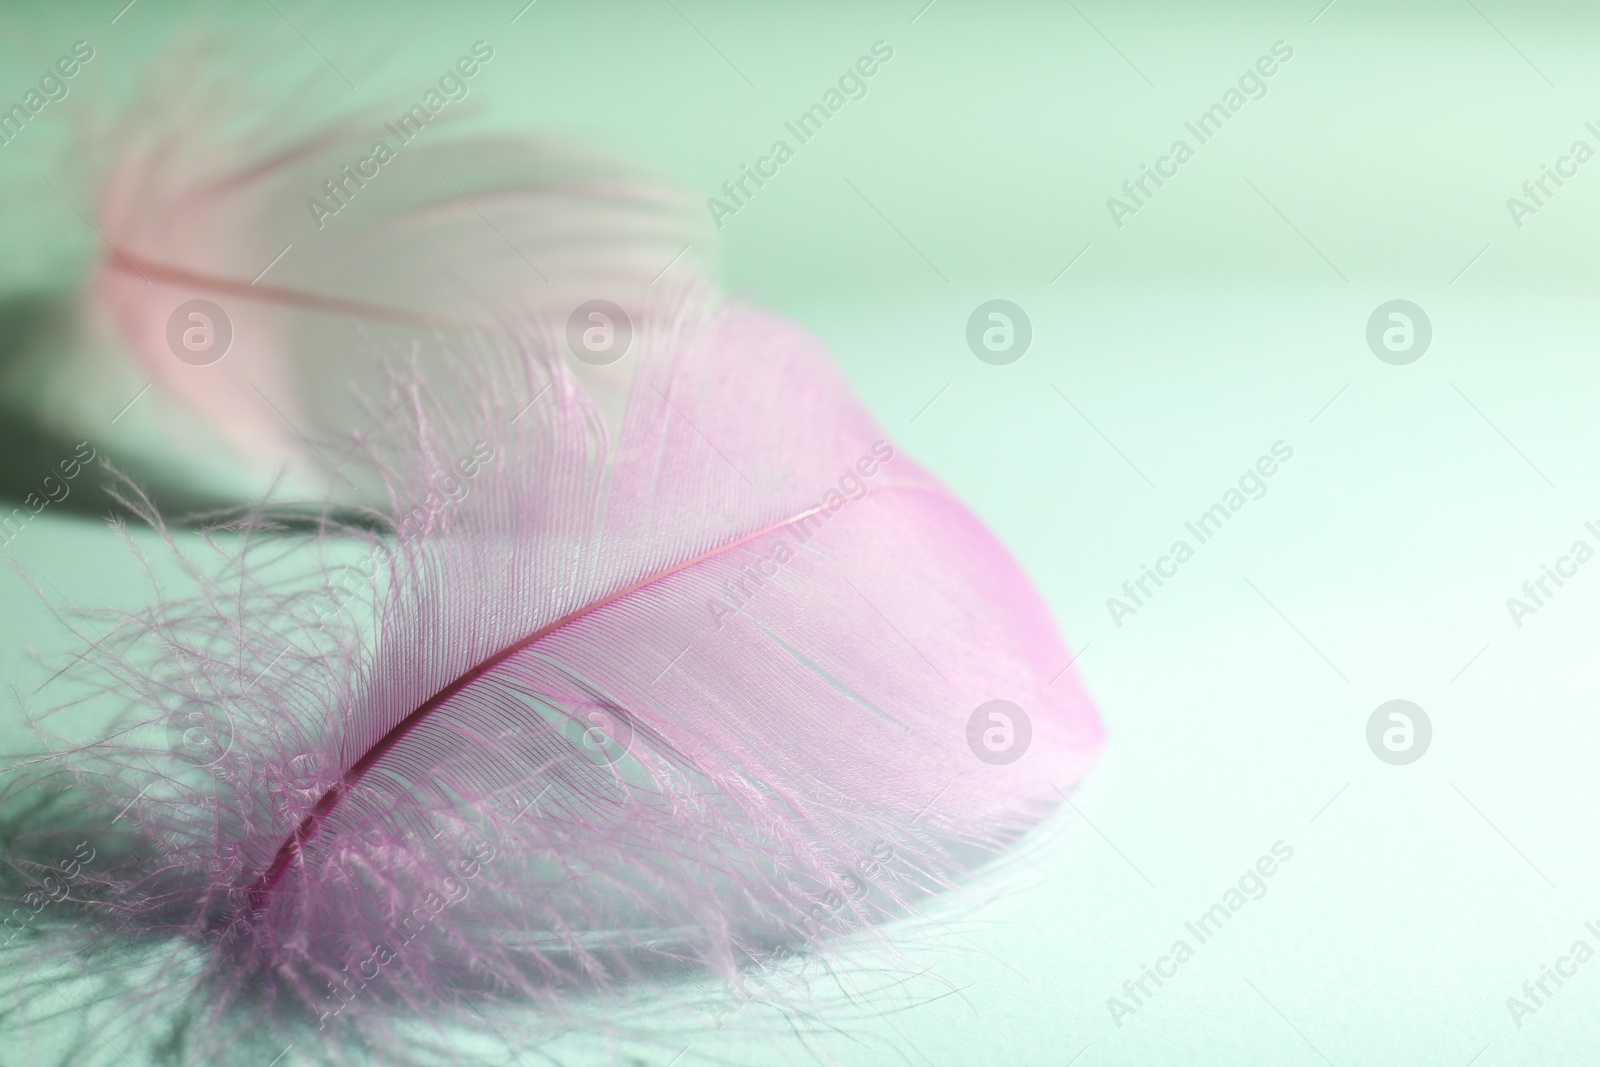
617	708
305	241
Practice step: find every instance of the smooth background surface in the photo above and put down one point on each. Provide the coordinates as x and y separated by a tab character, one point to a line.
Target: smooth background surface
1228	314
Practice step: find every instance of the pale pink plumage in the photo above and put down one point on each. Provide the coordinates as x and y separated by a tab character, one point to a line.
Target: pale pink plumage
454	232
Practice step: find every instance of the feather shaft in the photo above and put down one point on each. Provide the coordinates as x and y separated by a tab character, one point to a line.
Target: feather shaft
274	294
259	892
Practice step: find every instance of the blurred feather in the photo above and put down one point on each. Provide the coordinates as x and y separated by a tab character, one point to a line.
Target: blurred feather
450	233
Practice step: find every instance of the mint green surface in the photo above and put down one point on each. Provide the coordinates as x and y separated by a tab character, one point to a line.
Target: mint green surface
1227	314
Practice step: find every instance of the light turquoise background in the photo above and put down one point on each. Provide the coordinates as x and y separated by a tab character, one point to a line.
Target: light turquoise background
1228	314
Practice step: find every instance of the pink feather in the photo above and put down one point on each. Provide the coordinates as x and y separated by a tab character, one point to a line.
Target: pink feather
621	691
453	232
